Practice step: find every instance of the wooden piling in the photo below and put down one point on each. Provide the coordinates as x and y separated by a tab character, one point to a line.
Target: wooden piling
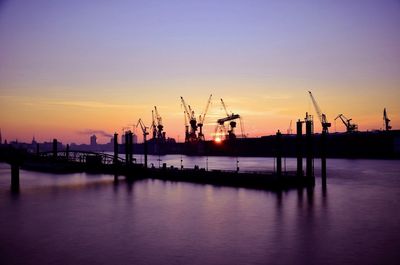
279	153
115	148
309	149
67	152
54	148
299	151
14	176
323	158
145	153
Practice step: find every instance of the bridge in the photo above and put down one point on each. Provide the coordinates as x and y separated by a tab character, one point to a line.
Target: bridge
85	157
66	161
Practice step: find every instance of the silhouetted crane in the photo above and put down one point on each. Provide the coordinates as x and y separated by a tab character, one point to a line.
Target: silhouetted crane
153	126
321	116
144	129
289	130
386	120
145	133
350	127
220	129
160	126
190	136
201	120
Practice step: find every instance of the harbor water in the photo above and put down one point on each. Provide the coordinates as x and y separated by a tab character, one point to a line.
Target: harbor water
90	219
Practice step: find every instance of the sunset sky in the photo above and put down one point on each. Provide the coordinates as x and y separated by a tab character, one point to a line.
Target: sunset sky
67	67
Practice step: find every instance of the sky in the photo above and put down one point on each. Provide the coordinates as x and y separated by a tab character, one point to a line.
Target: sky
71	67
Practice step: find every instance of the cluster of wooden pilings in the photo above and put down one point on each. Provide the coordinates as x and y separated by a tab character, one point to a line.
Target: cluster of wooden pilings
128	149
304	148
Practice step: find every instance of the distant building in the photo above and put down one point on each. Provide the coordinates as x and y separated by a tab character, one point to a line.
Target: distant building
134	138
93	140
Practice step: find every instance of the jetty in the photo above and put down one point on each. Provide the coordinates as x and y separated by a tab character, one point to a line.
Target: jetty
70	161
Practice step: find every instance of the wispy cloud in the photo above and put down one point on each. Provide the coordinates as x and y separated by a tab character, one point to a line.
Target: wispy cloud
28	101
86	104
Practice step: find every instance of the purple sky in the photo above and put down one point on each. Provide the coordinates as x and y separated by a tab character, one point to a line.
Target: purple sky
151	52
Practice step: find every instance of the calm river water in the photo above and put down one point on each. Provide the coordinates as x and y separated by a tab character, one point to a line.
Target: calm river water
89	219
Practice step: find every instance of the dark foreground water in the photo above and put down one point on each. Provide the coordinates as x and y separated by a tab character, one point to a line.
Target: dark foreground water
87	219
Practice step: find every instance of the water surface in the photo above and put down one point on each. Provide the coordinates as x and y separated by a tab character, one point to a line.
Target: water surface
89	219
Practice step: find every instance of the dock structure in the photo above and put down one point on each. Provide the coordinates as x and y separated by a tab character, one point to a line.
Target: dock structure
68	161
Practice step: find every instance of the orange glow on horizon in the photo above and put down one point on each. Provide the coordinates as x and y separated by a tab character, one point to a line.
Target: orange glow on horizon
218	140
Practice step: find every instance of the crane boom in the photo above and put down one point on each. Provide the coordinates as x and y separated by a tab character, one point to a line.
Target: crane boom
317	109
191	137
158	117
321	116
202	118
223	104
186	108
142	126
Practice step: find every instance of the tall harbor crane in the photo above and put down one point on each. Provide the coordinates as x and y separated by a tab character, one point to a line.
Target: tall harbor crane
186	127
191	135
350	127
153	126
145	133
202	117
289	130
386	120
159	125
144	129
220	129
321	116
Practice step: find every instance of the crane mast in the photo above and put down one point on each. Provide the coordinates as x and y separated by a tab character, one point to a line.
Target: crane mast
321	116
153	126
160	126
186	127
386	120
144	129
191	136
145	133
